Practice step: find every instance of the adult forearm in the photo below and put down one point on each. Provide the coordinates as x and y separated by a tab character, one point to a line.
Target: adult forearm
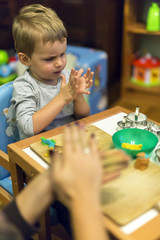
81	107
87	221
35	198
47	114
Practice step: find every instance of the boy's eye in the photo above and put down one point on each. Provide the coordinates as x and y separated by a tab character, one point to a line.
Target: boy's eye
50	59
62	54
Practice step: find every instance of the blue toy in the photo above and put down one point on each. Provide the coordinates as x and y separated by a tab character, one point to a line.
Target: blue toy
5	70
49	142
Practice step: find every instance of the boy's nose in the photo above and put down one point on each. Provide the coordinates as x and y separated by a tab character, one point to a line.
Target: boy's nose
58	62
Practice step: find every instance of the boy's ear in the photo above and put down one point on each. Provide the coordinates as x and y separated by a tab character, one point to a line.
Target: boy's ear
24	59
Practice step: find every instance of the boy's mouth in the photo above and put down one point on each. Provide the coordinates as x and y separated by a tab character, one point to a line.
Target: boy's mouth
57	72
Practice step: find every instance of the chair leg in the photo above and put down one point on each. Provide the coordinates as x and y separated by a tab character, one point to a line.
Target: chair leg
5	196
17	178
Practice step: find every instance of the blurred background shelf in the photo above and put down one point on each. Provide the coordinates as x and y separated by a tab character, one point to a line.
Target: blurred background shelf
140	28
136	38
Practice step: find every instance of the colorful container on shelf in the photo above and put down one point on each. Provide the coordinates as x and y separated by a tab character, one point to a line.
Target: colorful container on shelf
153	18
146	71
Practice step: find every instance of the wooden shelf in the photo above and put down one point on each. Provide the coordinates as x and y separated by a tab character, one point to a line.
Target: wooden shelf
152	89
139	28
131	101
134	27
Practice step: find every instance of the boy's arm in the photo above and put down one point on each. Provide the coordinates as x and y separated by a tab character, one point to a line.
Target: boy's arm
25	98
49	112
69	92
81	107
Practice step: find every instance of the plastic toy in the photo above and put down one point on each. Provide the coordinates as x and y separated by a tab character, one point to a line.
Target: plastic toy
146	71
5	70
8	67
153	23
3	57
132	146
49	142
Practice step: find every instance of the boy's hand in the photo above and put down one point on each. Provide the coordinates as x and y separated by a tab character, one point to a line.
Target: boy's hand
78	83
74	82
85	82
68	92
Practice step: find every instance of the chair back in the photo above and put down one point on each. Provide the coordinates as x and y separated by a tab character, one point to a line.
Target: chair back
5	97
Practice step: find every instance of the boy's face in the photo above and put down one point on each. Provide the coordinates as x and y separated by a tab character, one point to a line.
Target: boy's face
48	60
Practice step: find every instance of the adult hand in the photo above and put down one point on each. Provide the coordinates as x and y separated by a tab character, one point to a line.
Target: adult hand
78	171
113	162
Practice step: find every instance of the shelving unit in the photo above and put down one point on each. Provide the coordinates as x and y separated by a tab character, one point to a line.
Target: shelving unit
134	31
132	28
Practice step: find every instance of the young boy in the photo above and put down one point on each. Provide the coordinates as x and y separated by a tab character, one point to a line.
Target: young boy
45	96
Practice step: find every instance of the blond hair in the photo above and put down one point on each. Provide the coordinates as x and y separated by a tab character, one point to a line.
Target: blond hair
36	23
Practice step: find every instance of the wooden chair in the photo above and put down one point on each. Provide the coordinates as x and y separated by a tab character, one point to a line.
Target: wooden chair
7	192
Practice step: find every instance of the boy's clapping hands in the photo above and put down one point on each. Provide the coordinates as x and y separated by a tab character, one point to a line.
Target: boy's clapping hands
78	84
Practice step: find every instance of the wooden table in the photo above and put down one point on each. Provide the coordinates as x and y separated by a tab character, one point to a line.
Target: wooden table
22	162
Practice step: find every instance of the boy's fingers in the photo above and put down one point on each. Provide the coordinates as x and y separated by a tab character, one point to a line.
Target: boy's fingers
63	80
87	74
84	92
90	83
80	73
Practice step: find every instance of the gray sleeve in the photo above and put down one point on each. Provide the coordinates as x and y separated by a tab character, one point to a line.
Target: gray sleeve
24	100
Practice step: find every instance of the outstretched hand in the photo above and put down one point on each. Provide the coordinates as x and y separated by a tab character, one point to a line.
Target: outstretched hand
113	162
78	171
